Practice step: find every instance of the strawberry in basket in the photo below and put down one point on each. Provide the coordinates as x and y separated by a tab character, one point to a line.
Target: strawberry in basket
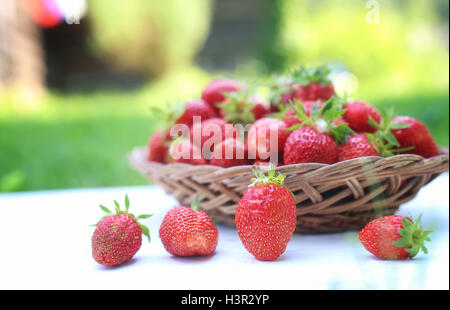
183	151
303	84
266	216
241	107
210	133
214	92
416	135
157	147
231	152
262	137
315	139
357	115
313	84
188	232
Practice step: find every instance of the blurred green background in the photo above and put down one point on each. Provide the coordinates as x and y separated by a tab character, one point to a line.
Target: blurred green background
104	74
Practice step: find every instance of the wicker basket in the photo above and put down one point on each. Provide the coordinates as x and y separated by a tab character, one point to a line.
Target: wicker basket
329	198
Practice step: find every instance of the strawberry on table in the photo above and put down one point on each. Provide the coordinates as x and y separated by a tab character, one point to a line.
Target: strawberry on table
417	136
188	232
315	139
266	216
231	152
394	237
118	236
214	92
357	115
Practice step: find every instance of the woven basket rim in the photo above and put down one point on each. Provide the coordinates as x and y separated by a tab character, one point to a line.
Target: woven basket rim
444	155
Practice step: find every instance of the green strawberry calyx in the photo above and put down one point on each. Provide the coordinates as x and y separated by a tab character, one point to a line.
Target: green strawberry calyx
118	211
322	119
306	76
196	204
278	87
413	236
272	177
238	107
383	139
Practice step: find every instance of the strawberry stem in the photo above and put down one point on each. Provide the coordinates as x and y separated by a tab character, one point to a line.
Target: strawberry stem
108	212
271	177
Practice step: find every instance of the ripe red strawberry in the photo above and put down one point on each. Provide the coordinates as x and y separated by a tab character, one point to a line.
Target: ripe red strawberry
260	135
357	145
183	151
188	232
207	134
416	136
266	216
357	115
317	136
313	84
394	237
157	149
231	152
214	92
193	108
307	145
118	236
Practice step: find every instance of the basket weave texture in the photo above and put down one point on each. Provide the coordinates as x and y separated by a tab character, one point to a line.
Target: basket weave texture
329	198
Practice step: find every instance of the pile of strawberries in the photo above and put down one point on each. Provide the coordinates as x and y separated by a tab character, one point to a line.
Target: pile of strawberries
302	121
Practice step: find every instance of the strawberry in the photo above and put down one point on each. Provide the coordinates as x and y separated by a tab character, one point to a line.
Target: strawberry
357	145
188	232
261	136
183	151
314	140
214	92
266	216
313	84
118	236
394	237
416	136
357	115
157	149
241	107
231	152
207	134
193	108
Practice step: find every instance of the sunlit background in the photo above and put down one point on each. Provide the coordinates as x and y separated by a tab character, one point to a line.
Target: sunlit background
78	78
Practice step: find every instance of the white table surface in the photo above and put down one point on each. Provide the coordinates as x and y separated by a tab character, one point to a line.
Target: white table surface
45	244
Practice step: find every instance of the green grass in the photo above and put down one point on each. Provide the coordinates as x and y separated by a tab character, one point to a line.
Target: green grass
74	141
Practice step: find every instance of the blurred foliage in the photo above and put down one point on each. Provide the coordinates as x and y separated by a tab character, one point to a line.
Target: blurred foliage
12	181
404	53
149	36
